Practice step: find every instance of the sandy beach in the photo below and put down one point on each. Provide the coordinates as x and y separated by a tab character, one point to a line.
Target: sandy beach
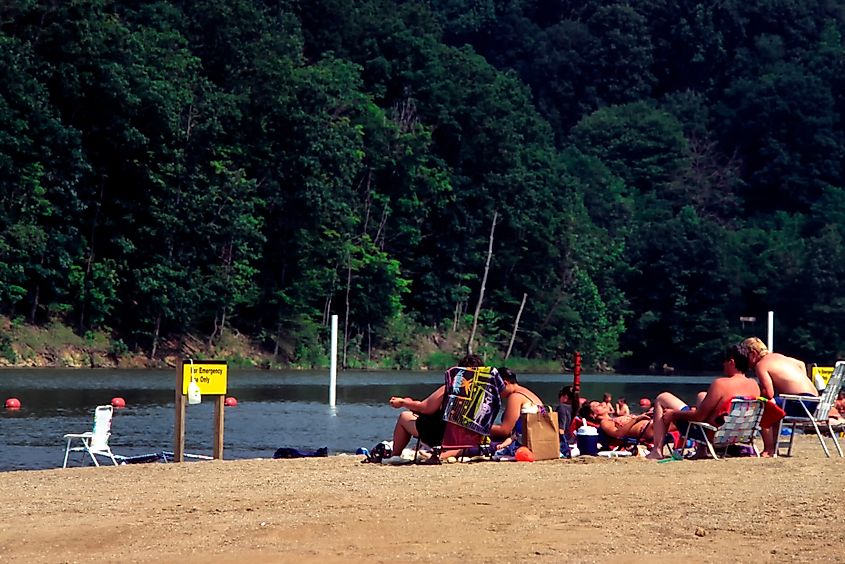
337	509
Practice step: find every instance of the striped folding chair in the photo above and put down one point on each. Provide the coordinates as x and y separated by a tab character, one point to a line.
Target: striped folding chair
741	424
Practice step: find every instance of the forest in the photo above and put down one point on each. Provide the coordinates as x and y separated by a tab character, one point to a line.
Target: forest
656	170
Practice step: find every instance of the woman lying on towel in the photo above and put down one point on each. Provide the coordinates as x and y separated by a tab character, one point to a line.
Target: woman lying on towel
622	427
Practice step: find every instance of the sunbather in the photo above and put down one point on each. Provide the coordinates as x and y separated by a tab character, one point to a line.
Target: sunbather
778	374
669	409
637	427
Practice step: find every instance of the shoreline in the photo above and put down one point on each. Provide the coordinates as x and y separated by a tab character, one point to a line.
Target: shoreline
337	509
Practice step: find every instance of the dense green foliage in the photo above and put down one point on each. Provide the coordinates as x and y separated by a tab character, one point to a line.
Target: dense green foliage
659	169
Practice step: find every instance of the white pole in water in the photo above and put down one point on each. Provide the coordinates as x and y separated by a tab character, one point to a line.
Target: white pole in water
333	366
771	335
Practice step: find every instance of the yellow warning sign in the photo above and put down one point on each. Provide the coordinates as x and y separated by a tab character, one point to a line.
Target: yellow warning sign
821	372
210	376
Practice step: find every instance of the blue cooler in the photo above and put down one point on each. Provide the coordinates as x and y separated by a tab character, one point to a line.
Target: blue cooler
588	440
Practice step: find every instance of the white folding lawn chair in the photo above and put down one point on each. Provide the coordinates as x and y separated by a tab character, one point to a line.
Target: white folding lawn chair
816	418
741	424
96	441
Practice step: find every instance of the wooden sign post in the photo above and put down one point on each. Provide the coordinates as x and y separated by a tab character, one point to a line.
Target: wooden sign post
211	376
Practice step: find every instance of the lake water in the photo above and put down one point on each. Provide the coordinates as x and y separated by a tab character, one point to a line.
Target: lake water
274	409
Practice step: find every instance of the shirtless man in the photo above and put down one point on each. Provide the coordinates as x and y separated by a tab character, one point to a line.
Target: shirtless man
670	409
778	374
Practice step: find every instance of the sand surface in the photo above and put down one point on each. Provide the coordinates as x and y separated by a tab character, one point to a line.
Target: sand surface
336	510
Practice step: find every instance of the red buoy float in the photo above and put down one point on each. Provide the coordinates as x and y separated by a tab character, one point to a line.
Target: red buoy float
13	403
231	402
118	402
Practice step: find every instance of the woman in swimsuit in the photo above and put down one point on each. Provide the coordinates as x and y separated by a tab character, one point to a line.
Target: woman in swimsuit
515	398
623	427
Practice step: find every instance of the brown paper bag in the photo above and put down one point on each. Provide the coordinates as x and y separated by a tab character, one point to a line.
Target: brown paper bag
540	434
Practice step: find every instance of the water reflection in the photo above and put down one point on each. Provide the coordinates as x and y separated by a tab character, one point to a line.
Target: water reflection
274	409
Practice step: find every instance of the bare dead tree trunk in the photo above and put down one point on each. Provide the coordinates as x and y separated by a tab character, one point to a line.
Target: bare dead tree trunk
35	299
154	348
483	284
516	325
215	330
380	236
346	315
369	345
278	338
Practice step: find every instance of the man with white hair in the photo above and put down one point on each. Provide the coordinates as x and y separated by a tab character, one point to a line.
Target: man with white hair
778	374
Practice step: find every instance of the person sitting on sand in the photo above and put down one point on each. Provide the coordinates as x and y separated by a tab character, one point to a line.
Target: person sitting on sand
620	427
622	407
607	399
669	409
778	374
425	417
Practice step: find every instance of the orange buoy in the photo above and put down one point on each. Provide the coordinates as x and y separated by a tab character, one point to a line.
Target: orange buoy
13	403
231	402
524	454
118	402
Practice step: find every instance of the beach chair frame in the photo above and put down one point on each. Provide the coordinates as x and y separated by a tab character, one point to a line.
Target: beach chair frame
742	423
818	418
95	442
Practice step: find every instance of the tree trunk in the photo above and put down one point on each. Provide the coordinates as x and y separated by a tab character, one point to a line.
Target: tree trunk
369	345
483	284
278	338
213	332
516	325
35	299
346	315
154	348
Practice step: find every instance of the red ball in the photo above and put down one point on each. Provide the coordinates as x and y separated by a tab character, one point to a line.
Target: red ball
230	402
524	454
118	402
13	403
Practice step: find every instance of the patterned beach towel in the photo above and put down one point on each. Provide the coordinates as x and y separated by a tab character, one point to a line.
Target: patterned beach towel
473	397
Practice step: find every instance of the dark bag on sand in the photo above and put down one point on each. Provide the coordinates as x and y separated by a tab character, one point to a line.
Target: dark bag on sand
287	452
541	435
